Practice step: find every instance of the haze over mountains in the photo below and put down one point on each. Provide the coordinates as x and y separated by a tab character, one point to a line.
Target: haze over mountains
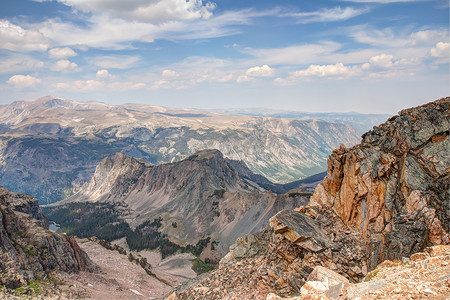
50	146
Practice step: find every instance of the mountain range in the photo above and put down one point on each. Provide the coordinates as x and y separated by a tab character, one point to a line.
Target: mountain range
50	146
202	196
384	203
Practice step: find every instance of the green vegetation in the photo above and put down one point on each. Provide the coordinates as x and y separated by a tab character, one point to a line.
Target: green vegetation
34	288
29	251
89	219
102	221
371	275
200	267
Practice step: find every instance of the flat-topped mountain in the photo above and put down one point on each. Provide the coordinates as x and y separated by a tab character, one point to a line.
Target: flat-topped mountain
201	196
49	147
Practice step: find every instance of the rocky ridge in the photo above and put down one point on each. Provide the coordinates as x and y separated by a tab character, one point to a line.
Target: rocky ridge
73	137
201	196
386	198
28	250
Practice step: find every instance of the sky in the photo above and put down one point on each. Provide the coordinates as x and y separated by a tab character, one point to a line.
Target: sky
368	56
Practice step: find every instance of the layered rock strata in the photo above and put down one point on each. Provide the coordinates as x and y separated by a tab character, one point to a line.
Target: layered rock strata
394	186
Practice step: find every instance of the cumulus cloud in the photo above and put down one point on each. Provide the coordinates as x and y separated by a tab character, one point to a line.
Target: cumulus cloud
65	66
16	38
263	71
104	75
382	61
170	74
60	53
23	81
325	70
327	14
441	50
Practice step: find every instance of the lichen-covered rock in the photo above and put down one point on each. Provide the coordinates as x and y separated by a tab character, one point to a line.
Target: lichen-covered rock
394	186
28	250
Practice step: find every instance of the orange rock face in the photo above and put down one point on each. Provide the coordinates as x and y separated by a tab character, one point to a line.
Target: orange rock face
396	180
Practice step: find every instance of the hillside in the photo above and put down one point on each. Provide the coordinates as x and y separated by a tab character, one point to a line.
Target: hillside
50	146
202	196
28	250
384	199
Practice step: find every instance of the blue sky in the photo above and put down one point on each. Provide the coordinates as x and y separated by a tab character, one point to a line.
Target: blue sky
366	56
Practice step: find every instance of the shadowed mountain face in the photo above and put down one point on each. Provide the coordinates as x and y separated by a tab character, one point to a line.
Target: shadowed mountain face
50	146
204	195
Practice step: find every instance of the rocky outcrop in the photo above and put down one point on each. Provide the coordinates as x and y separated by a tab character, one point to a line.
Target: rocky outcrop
394	186
385	198
28	250
423	276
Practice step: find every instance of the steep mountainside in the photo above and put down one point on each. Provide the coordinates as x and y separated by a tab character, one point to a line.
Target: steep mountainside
394	186
198	197
385	198
28	250
50	146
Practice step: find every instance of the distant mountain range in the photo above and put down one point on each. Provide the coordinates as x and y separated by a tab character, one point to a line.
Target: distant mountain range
361	122
50	146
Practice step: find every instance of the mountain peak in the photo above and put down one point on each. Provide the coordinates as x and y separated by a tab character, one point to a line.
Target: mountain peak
206	154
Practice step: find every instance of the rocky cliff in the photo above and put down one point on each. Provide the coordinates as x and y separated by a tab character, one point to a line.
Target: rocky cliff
201	196
394	186
49	147
28	250
385	198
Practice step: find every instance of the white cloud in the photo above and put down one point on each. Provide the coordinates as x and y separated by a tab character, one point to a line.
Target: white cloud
441	50
12	63
325	70
243	78
382	61
263	71
79	85
60	53
23	81
426	37
295	55
154	11
104	75
65	66
16	38
170	74
327	14
115	61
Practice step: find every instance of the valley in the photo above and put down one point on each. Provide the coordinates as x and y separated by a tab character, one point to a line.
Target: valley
149	230
49	147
